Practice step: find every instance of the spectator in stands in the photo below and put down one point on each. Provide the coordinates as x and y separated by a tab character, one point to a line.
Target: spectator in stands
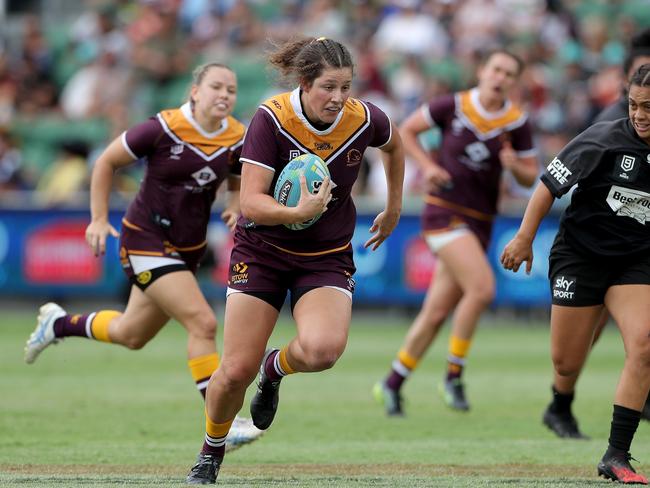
12	176
66	179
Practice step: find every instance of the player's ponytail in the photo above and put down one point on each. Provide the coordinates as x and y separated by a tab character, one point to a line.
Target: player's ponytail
303	60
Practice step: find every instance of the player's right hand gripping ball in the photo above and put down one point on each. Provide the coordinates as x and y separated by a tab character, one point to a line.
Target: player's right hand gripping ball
287	187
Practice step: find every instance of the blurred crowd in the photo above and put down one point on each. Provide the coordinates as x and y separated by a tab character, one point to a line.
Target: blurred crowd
68	87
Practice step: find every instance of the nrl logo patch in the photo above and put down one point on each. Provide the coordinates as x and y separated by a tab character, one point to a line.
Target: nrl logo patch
627	163
626	168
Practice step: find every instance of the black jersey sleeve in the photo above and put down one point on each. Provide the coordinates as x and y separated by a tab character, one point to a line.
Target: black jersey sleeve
577	160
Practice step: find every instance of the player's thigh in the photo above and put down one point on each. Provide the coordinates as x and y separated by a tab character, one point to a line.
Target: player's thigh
179	296
323	317
248	324
467	262
443	293
142	318
630	308
572	332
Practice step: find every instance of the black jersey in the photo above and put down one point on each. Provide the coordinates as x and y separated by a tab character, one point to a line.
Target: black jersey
610	207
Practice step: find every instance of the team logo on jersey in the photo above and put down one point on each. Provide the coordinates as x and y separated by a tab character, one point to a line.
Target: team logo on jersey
625	168
351	282
204	176
354	157
564	287
175	150
293	153
144	277
629	203
558	171
239	274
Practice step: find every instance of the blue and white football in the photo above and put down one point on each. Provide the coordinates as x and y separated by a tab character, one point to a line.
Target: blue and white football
287	187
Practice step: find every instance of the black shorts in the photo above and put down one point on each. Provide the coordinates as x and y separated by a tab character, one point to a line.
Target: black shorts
579	280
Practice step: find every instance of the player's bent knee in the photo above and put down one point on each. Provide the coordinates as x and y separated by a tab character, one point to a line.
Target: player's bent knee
203	325
320	359
642	353
233	377
484	294
135	343
565	367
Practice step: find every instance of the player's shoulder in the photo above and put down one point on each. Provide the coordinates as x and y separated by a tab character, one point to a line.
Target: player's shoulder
606	132
279	104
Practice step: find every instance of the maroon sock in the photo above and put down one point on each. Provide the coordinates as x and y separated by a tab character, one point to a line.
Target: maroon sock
71	325
217	452
395	380
269	367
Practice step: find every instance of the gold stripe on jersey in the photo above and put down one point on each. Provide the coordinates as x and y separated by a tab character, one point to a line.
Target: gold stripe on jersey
484	125
354	119
179	126
130	225
186	249
144	253
470	212
318	253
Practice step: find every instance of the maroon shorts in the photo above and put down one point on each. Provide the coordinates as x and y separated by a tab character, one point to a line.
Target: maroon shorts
142	251
257	266
438	219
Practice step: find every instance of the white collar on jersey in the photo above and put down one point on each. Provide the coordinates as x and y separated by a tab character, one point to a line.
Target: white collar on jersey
473	96
186	110
297	108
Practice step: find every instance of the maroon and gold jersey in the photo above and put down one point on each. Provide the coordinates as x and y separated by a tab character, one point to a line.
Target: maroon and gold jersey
471	140
185	166
280	131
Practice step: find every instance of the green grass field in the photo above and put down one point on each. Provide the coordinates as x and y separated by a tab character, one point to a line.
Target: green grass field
90	414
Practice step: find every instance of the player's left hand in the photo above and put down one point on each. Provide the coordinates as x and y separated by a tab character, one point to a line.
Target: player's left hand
507	155
229	217
516	252
382	227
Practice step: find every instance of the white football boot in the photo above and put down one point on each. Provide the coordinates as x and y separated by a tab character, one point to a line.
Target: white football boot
43	335
242	432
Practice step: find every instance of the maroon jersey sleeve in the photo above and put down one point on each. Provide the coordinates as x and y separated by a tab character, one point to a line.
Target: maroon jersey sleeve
522	139
140	140
233	159
260	144
437	111
382	130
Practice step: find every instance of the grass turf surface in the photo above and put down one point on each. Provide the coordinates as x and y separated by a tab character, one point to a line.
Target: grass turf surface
92	414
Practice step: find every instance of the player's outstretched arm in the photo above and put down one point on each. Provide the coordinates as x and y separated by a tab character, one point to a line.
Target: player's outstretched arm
520	248
101	182
386	221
